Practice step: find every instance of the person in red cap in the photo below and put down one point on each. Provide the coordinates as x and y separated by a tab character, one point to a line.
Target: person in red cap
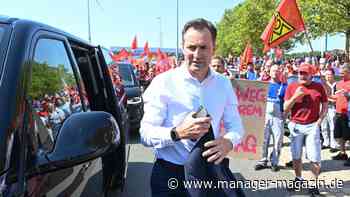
303	99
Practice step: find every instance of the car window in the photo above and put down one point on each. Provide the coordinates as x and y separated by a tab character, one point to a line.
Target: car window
54	91
4	37
126	75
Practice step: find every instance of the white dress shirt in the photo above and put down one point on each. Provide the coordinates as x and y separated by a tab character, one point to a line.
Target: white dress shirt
172	95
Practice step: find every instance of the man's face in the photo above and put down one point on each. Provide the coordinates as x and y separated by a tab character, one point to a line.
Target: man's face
344	74
275	72
217	66
329	76
304	77
198	49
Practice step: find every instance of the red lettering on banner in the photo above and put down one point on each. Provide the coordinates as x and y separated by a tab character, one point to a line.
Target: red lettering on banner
250	110
248	145
251	94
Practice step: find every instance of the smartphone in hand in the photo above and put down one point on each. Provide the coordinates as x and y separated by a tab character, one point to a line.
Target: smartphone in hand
200	113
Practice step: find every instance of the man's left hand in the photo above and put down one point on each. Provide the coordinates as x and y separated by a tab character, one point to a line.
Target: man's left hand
218	149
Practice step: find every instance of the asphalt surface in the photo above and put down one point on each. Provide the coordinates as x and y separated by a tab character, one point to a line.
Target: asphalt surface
142	158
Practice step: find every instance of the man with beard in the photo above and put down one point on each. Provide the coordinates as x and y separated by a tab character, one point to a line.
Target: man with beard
303	100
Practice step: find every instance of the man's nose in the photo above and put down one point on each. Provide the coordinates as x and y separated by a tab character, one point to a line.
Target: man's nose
196	52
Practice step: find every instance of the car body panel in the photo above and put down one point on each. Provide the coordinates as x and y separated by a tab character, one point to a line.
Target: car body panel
18	152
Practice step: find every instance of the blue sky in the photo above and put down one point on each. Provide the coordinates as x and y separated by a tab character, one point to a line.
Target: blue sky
116	22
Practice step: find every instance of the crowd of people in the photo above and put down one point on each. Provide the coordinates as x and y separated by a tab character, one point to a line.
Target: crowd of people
310	95
54	109
317	93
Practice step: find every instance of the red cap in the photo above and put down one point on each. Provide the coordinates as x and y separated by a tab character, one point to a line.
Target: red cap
307	68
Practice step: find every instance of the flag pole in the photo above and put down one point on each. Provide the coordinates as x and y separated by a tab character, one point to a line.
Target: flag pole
309	42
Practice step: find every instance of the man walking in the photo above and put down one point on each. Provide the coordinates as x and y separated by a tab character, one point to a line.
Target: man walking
172	98
303	99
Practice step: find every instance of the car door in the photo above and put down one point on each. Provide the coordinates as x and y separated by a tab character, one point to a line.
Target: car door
56	92
116	90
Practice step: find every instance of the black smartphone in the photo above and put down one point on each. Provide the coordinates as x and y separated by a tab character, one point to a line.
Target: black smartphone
200	113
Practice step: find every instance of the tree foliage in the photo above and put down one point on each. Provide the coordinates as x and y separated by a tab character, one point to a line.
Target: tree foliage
49	80
327	16
246	22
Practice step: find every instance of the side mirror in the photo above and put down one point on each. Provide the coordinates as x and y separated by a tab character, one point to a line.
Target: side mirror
83	137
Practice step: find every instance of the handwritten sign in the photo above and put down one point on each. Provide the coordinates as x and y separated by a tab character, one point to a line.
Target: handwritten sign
251	97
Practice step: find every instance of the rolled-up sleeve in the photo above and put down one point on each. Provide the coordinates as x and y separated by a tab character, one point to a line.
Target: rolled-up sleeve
232	120
152	133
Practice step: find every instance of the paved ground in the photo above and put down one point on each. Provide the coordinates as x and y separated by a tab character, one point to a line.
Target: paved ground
141	160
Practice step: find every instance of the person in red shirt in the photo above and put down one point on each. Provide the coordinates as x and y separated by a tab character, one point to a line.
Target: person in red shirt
341	126
303	99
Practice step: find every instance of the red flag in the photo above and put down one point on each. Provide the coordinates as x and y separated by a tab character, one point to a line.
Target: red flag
145	48
114	57
134	43
123	54
146	51
160	55
247	56
286	22
279	53
120	56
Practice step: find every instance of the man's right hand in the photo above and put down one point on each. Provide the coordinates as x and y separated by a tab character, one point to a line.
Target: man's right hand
193	128
299	92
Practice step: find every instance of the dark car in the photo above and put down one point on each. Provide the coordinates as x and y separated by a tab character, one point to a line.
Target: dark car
133	93
62	127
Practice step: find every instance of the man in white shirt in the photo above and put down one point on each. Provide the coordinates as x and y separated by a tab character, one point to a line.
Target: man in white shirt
170	102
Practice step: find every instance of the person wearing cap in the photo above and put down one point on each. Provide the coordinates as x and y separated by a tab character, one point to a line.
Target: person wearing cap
341	127
304	99
274	124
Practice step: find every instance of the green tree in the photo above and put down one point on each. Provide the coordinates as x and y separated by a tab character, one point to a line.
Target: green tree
67	77
45	79
327	16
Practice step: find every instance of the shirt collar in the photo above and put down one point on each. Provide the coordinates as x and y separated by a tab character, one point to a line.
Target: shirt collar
187	75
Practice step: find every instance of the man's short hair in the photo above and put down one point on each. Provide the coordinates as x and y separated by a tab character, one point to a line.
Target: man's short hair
345	66
217	57
331	70
200	24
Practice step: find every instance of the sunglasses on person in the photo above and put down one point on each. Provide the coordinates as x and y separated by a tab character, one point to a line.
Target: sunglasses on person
303	73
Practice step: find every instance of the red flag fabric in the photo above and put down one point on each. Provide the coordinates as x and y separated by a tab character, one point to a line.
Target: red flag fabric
247	56
145	48
114	57
134	43
285	23
279	53
160	55
120	56
146	51
123	54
